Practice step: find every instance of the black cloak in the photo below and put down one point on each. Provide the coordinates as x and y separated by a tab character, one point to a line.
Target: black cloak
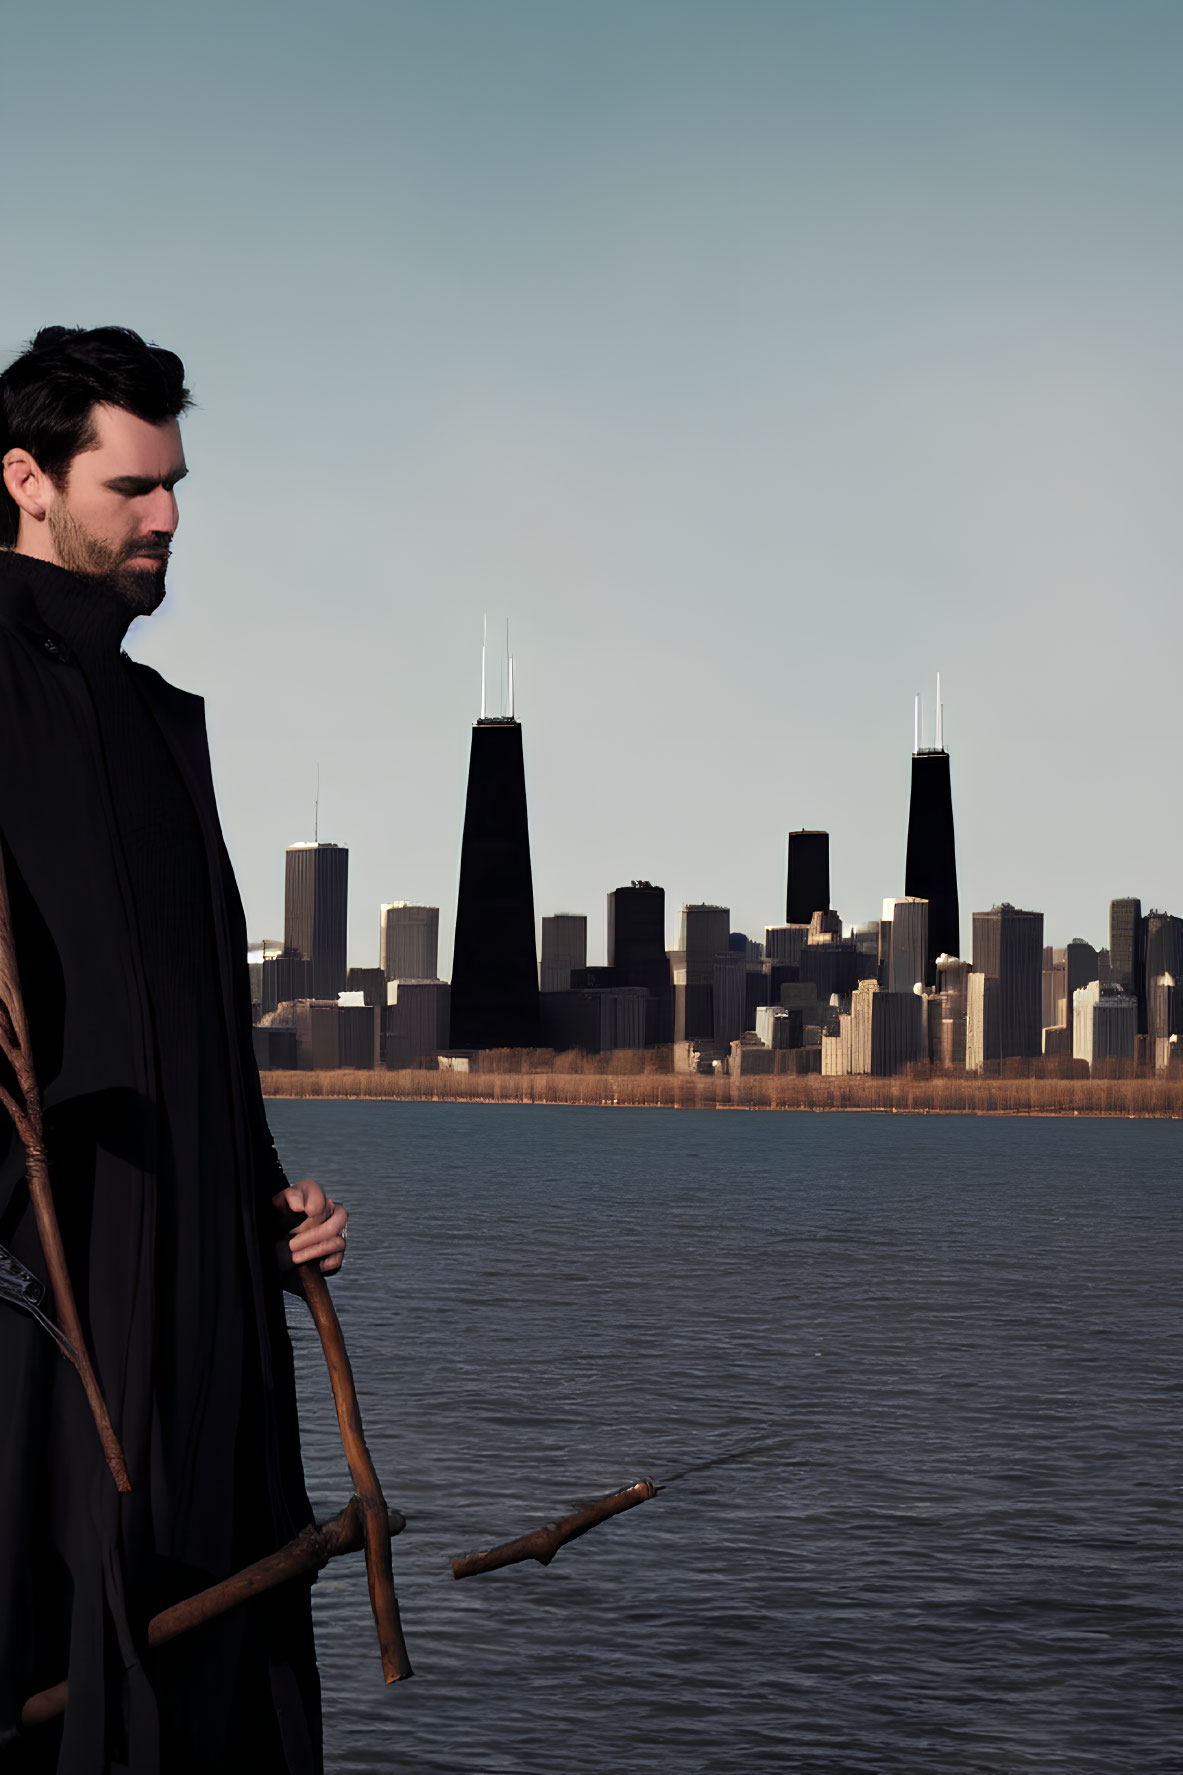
167	1317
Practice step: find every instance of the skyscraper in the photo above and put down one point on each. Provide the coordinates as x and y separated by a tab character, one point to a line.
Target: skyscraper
408	941
564	946
1162	958
702	952
1008	947
1127	952
1104	1024
495	961
1065	971
316	905
908	944
808	889
636	949
930	869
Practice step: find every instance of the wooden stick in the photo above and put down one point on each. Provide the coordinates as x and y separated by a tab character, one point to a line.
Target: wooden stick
384	1603
311	1550
544	1543
25	1111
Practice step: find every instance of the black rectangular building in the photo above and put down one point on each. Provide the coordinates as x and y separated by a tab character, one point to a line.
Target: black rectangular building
1008	947
316	910
637	953
808	885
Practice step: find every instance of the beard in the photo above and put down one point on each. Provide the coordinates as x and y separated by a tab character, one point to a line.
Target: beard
140	588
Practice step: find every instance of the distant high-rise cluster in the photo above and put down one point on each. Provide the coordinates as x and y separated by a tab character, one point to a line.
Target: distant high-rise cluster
811	995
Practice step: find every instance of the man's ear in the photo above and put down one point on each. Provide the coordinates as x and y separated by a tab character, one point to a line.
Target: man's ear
28	484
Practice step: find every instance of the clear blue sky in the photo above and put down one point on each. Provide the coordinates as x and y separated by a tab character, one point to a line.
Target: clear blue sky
758	360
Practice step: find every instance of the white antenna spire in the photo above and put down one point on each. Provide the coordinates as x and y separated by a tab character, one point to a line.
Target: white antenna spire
316	811
511	686
506	682
916	747
484	645
940	717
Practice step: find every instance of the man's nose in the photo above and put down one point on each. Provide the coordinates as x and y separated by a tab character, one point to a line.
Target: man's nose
160	513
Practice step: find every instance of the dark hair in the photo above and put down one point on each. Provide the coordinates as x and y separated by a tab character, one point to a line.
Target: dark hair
48	393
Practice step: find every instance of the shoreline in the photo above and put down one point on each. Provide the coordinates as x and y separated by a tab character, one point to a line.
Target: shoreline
1131	1098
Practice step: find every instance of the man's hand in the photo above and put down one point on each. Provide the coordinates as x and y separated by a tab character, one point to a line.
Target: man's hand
322	1233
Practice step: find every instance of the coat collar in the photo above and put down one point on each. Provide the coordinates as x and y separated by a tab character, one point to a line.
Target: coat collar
18	608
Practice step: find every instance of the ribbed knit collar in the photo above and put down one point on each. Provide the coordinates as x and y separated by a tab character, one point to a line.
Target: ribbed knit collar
85	613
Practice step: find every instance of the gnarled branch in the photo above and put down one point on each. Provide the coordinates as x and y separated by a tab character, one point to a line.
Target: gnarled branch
395	1661
312	1549
544	1543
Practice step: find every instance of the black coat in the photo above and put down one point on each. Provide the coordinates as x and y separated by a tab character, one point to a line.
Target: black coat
76	1559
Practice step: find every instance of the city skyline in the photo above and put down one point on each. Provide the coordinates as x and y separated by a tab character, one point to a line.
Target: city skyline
816	994
597	916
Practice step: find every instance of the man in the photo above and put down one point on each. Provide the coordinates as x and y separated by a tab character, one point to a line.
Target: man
132	953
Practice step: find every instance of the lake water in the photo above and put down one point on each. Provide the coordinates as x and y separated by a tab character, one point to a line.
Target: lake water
953	1346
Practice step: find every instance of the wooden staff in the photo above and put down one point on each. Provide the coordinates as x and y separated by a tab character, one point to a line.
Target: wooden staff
25	1109
311	1550
544	1543
379	1575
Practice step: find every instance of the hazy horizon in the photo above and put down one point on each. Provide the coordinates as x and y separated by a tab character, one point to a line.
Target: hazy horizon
759	362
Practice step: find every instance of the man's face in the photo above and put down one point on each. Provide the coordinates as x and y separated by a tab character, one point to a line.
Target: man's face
115	515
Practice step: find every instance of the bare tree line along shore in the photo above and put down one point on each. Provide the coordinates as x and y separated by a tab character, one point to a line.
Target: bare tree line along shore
618	1079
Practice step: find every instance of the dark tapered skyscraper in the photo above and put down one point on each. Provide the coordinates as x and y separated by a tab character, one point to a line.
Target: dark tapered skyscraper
316	905
495	963
808	876
636	949
930	871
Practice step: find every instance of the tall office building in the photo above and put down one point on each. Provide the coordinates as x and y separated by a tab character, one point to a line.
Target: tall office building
495	961
930	869
636	950
416	1022
908	944
1008	947
1127	948
564	946
1104	1024
1082	965
408	941
983	1043
887	1030
1162	958
1065	971
808	888
704	933
703	947
316	906
281	979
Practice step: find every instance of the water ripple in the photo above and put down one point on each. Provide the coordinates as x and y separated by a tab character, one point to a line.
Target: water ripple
949	1347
